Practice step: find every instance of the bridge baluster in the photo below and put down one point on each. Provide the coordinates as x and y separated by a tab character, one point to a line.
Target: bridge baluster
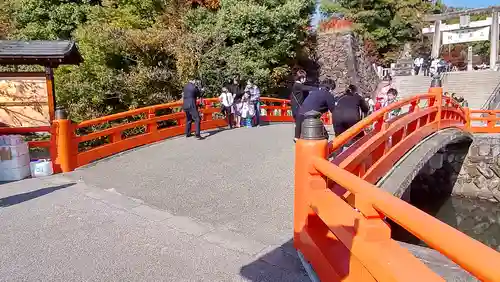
283	109
116	137
413	106
65	160
208	115
153	126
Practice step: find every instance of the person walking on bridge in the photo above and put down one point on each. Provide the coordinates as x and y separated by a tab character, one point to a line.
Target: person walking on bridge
191	94
300	91
320	100
348	108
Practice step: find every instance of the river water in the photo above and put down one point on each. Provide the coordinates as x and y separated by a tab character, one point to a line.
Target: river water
479	219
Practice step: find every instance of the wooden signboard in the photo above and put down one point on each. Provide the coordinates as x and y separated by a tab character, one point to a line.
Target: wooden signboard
28	98
24	100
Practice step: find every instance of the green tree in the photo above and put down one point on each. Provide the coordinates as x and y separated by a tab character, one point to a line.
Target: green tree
258	40
389	24
141	52
49	19
5	21
129	63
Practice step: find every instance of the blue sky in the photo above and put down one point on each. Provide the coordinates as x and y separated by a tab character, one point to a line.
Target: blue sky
471	3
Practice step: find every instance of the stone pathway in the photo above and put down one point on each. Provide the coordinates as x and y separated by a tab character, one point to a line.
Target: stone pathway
179	210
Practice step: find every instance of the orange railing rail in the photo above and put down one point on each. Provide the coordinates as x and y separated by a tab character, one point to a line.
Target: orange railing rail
484	121
76	144
339	214
69	142
48	144
277	110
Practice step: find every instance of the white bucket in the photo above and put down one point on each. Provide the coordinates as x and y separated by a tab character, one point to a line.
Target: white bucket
41	168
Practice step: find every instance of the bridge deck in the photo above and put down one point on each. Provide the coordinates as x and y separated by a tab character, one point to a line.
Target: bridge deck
183	210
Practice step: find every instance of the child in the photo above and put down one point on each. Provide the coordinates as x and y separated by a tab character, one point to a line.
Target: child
392	96
238	107
247	111
227	101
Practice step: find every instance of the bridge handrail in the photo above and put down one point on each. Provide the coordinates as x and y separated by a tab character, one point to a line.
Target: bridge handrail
138	111
346	189
469	253
380	116
177	104
145	125
490	117
376	116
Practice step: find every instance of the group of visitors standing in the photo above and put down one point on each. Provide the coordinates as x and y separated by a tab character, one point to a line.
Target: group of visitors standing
347	108
240	105
430	66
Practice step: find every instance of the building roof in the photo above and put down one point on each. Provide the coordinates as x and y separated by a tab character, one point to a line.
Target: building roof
39	52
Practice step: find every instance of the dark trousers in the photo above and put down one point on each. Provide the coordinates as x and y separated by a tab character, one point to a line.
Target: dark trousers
341	126
417	70
299	119
192	114
426	71
295	110
229	116
256	106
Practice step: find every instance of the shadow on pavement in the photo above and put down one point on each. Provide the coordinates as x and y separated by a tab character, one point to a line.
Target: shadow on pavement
20	198
212	132
281	264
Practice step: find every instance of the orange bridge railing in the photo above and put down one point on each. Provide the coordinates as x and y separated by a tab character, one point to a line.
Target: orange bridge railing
339	214
72	145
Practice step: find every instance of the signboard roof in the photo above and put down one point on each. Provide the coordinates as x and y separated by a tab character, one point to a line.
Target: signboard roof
39	52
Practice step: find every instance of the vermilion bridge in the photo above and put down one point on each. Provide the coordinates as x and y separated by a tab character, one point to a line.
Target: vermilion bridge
231	190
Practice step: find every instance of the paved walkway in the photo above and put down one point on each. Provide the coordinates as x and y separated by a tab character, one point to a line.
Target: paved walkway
179	210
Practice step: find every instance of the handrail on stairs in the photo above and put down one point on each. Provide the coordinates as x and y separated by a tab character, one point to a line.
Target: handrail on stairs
493	100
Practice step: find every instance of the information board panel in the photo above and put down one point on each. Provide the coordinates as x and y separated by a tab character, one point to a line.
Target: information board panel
466	35
23	101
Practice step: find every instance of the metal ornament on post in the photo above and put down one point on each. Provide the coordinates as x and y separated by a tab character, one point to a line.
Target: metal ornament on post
61	113
436	81
312	127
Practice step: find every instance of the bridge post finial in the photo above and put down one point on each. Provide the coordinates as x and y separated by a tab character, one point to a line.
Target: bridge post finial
312	127
61	113
436	82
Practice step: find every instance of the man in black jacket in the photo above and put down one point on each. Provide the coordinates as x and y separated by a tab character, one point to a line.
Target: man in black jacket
191	94
321	100
300	91
348	108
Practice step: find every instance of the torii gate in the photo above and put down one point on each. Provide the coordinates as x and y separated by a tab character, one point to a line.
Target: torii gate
437	29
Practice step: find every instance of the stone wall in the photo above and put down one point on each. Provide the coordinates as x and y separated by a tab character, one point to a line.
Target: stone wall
341	57
480	174
469	171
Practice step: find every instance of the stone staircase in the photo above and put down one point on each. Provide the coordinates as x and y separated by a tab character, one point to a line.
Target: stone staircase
474	86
